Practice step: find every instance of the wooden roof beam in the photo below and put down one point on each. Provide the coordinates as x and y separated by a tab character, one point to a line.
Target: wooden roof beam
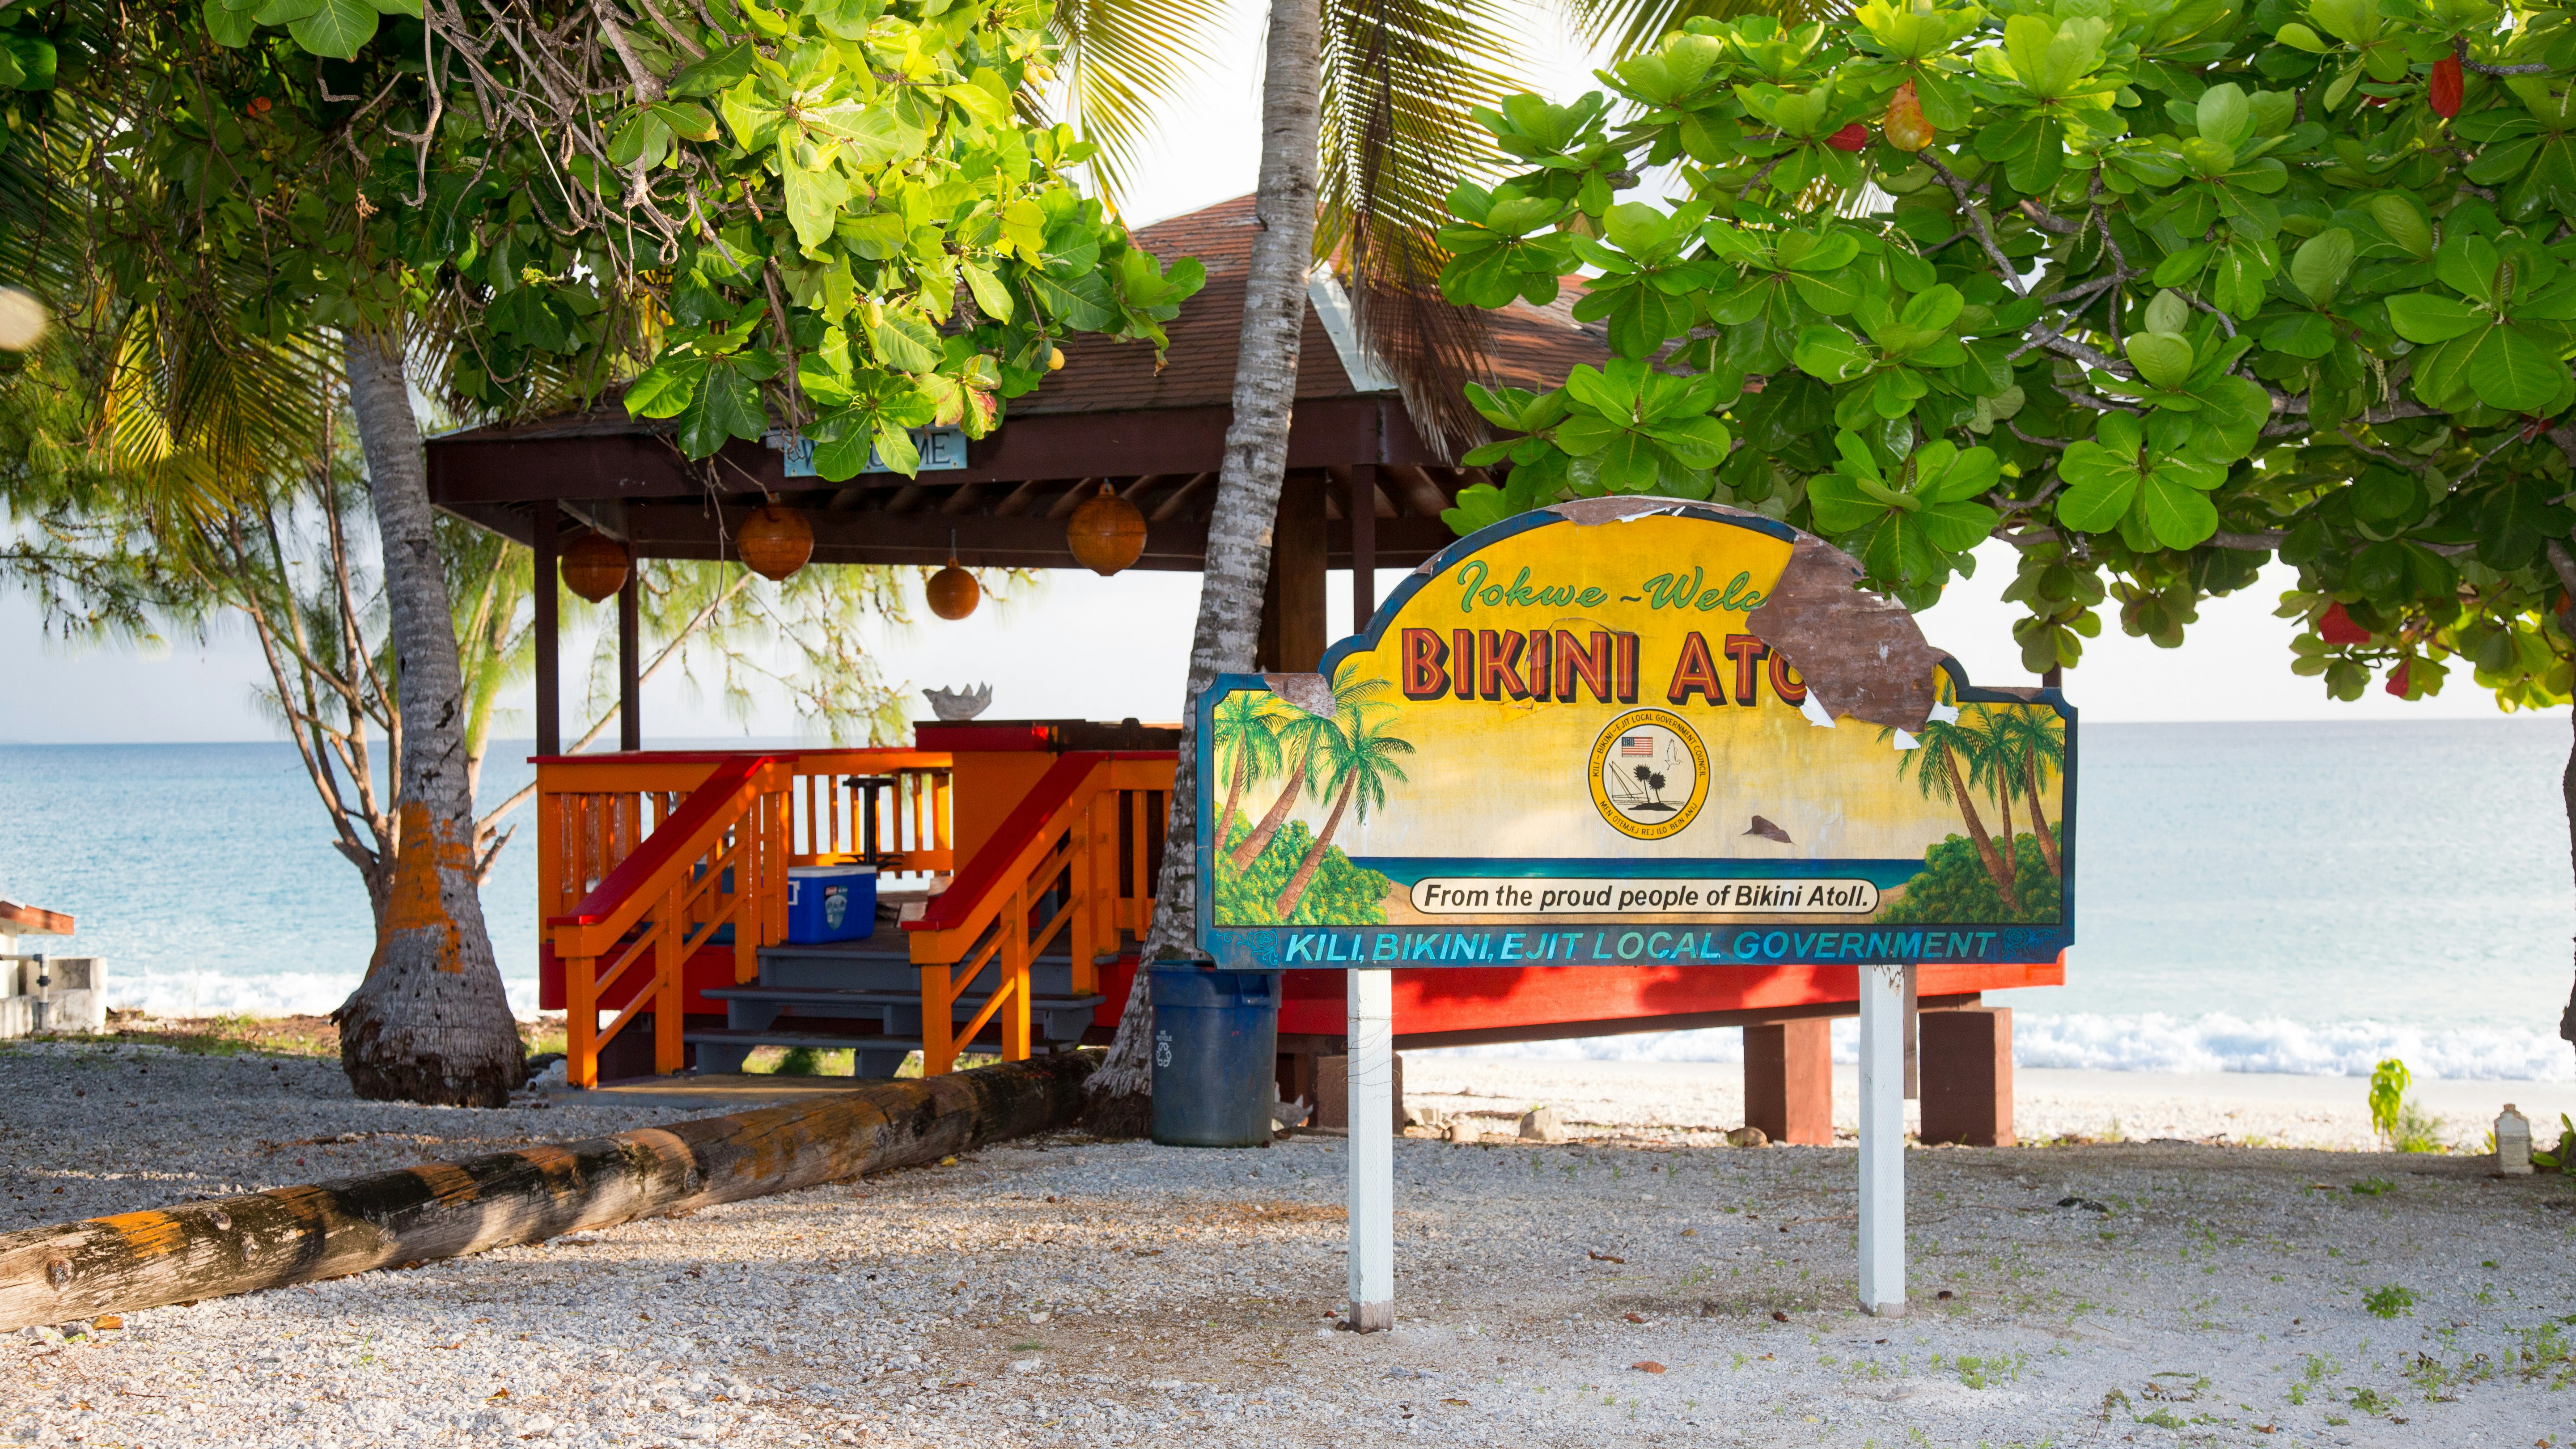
1072	497
1179	498
1419	493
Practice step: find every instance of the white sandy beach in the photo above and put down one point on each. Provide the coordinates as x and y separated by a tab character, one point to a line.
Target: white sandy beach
1697	1100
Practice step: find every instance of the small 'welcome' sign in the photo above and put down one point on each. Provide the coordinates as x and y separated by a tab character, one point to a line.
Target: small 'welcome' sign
1633	732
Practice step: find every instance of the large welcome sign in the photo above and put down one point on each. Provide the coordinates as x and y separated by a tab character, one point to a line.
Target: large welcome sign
1631	732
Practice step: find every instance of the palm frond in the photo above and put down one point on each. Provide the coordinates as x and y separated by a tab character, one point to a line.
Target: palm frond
1633	26
1123	62
1401	80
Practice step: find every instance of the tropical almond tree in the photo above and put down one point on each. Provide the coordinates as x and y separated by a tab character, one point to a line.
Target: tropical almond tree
2156	293
831	219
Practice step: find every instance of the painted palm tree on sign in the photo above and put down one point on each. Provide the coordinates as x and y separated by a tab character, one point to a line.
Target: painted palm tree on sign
1996	765
1305	733
1358	759
1247	748
2039	748
1940	763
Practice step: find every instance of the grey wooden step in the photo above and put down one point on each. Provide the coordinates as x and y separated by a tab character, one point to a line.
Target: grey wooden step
838	996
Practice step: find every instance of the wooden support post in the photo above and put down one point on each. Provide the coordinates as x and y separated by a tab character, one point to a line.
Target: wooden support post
581	1021
630	689
1362	510
1371	1027
1968	1077
1882	1141
1789	1081
1292	605
667	1020
548	599
1014	979
1913	1057
936	1052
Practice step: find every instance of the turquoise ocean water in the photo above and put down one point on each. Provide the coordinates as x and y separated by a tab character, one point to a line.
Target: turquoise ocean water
2250	897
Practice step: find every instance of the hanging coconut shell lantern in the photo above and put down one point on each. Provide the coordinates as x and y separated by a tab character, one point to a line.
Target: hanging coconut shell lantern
1106	533
595	566
775	541
953	592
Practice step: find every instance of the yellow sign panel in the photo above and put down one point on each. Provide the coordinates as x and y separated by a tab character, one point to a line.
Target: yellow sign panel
1570	742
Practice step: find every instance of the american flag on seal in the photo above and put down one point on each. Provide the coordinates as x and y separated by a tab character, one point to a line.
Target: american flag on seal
1636	746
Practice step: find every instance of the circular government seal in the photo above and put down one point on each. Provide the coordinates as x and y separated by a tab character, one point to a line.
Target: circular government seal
1649	774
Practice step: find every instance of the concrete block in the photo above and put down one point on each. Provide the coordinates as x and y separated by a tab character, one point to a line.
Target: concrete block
1333	1097
69	992
17	1016
71	1010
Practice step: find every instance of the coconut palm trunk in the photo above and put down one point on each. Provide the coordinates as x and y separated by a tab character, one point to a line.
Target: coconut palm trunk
430	1023
1986	852
2039	817
1313	860
1247	505
2003	803
1277	815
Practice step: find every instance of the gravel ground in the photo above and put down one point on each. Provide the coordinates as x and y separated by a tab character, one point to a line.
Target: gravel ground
1069	1292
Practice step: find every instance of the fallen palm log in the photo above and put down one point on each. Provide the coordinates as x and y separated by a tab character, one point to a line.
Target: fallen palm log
292	1235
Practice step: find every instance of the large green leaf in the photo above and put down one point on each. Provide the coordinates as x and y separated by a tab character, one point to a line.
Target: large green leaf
2513	370
2428	317
337	28
905	343
726	405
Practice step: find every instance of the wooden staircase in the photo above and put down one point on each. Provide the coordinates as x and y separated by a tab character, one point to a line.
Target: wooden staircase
664	859
865	997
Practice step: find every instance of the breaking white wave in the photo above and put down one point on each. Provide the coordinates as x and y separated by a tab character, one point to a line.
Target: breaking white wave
2155	1042
285	993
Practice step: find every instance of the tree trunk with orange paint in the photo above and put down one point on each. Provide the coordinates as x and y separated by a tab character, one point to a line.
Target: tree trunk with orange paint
431	1022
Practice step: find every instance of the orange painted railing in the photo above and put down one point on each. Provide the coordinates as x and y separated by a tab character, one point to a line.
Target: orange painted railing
643	858
1077	858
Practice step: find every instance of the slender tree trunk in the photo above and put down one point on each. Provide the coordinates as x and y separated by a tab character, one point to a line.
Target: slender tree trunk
2012	847
1314	858
1277	815
431	1022
1247	507
1233	798
2567	798
1977	832
2039	819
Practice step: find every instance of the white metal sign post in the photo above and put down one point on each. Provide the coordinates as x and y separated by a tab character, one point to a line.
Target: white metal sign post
1371	1048
1882	1140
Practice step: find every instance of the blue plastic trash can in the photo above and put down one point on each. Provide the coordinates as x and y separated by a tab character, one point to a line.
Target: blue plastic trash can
831	903
1216	1047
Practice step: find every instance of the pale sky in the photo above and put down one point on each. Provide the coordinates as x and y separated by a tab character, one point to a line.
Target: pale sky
1112	648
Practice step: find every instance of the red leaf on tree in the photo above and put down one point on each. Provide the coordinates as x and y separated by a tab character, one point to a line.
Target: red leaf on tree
2337	627
2446	88
1850	138
2397	680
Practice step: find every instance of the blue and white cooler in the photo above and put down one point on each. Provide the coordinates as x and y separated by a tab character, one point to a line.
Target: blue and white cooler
831	903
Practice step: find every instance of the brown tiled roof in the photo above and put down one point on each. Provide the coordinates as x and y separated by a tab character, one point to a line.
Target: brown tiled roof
1530	346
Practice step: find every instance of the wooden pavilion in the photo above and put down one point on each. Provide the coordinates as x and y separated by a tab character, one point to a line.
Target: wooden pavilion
1364	490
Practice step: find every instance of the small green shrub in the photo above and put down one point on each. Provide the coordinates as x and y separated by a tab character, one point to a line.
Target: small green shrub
2389	1301
2374	1187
